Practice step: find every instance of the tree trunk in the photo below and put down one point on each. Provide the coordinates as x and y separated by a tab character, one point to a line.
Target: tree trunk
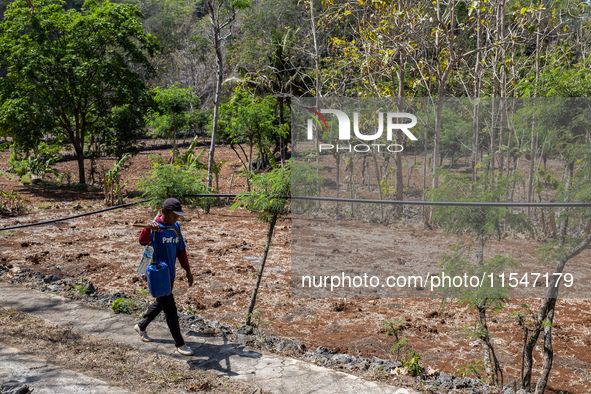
338	180
425	150
217	25
475	132
398	183
253	299
485	350
437	141
250	158
281	139
552	290
81	172
503	121
317	66
503	84
78	143
497	59
533	146
379	179
174	146
216	105
532	160
548	351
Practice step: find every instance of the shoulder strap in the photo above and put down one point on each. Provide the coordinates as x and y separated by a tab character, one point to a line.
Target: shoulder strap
153	238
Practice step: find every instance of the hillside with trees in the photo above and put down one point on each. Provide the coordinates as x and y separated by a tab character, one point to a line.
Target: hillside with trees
499	89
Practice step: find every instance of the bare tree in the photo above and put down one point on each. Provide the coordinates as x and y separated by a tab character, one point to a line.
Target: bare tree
221	14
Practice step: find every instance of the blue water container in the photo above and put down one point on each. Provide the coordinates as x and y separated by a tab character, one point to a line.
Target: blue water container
158	279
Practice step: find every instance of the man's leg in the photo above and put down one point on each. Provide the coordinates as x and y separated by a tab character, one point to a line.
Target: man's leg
172	319
153	311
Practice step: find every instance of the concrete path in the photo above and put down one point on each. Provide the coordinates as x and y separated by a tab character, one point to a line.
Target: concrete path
18	369
268	372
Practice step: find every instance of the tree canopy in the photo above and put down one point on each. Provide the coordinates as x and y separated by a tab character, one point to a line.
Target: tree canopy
75	74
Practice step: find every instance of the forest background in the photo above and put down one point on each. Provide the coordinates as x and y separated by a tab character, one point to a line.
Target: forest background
229	70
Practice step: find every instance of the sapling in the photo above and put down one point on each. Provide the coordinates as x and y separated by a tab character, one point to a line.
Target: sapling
484	222
112	187
268	201
400	344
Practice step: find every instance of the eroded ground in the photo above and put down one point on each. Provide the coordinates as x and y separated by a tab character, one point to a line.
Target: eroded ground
224	248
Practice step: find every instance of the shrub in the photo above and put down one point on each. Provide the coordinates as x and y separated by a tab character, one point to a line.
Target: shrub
125	305
165	181
411	362
81	289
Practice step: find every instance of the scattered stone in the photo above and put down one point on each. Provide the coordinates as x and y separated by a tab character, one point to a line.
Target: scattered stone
14	271
324	351
271	342
344	358
477	383
399	371
459	383
192	318
245	330
252	259
446	381
290	347
363	364
383	365
51	278
38	275
209	331
508	390
118	295
445	378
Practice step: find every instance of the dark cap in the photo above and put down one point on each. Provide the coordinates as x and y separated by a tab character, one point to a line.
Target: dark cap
174	205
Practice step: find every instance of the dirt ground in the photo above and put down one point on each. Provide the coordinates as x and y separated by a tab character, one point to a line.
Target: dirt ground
224	248
118	364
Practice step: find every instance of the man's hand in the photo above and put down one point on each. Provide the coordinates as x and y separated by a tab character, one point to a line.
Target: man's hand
153	225
190	278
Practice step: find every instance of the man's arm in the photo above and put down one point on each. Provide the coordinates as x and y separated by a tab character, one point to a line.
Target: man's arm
184	260
144	237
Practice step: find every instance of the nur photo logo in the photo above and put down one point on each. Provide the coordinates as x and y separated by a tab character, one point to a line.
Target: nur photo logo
393	121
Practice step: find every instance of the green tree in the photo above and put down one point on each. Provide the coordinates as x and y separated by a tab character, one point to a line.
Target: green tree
174	111
268	201
173	180
282	77
72	73
249	120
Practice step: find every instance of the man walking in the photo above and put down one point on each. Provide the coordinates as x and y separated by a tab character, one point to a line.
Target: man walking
168	246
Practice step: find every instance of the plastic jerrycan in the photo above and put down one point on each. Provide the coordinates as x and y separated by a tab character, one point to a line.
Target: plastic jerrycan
158	279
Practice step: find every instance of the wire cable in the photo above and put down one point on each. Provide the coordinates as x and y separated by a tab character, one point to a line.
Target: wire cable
414	202
334	199
72	217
